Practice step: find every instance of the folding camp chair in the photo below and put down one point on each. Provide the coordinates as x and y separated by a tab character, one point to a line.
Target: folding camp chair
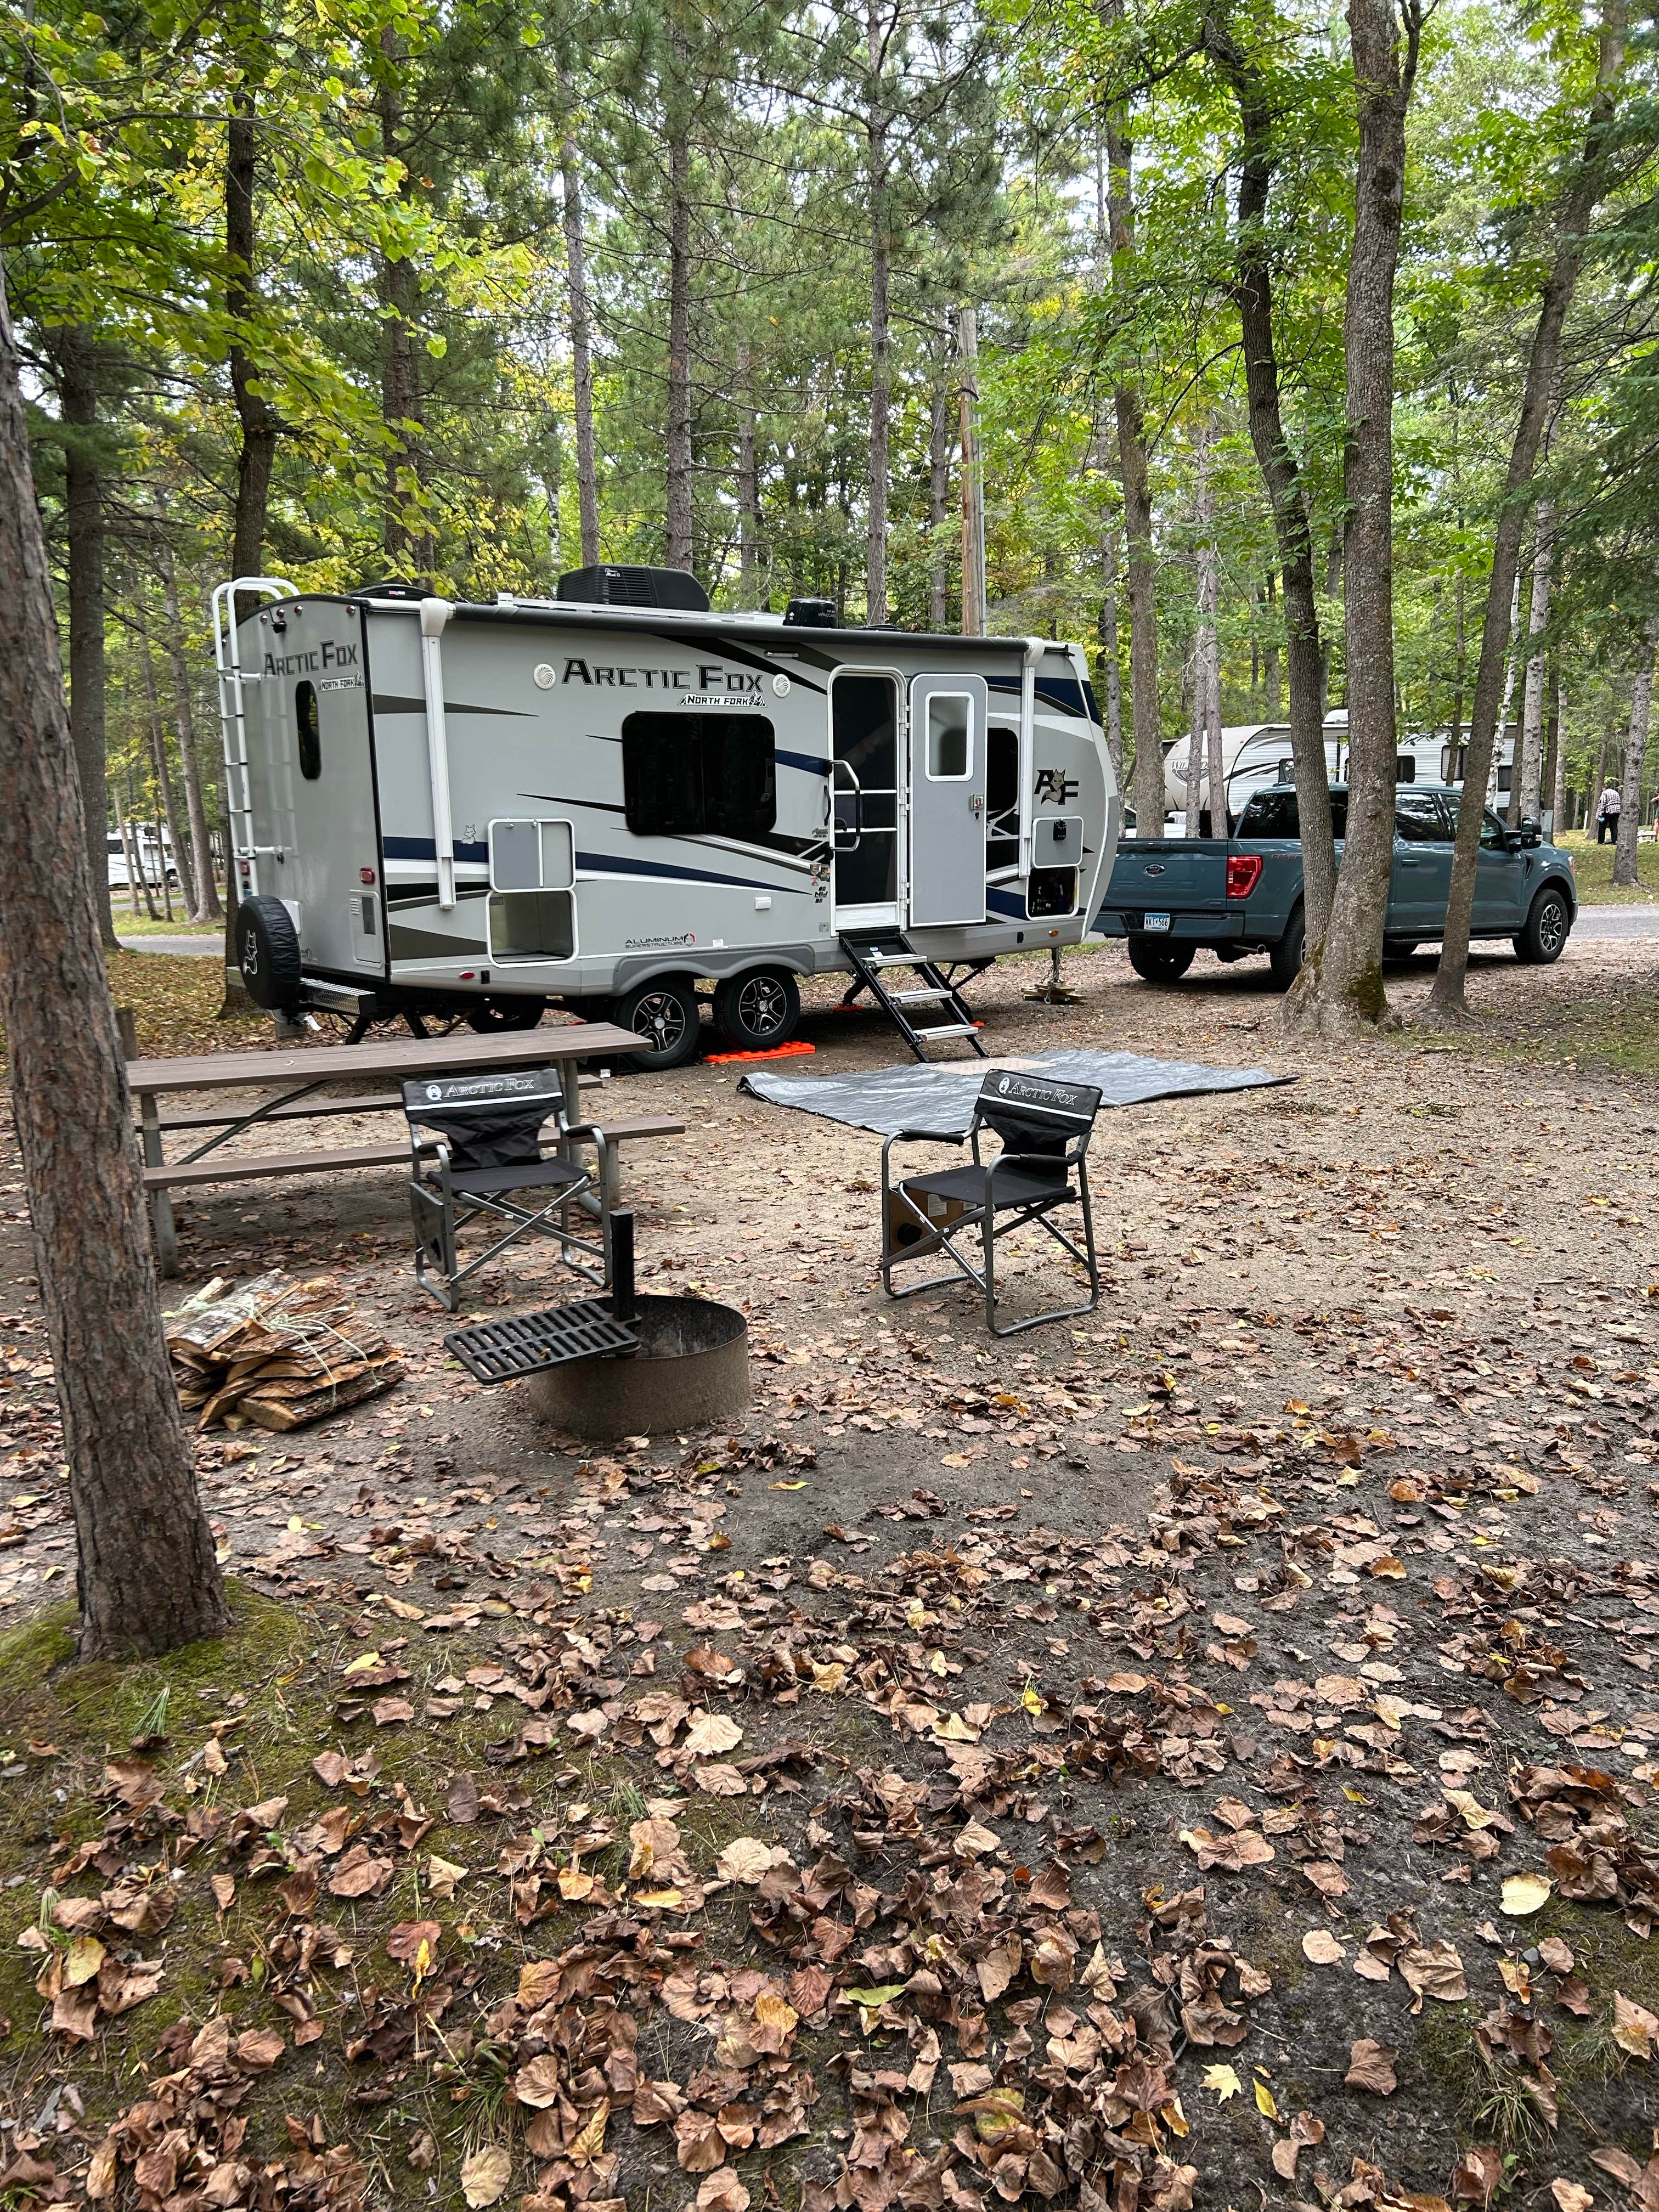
489	1145
1045	1128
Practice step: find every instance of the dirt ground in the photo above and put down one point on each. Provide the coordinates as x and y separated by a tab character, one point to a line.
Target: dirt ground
1291	1606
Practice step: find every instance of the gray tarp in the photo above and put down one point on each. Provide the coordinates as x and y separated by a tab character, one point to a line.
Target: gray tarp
927	1095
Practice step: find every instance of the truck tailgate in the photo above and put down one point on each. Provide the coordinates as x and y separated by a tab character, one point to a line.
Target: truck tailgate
1170	875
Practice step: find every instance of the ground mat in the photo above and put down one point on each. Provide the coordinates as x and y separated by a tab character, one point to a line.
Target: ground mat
940	1099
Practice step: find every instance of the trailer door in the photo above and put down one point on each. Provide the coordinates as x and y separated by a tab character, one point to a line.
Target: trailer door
947	800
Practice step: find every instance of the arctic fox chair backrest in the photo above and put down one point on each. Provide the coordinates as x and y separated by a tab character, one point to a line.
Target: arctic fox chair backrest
1036	1117
492	1121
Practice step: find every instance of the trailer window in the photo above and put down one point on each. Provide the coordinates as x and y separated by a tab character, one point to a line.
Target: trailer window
692	775
309	726
949	737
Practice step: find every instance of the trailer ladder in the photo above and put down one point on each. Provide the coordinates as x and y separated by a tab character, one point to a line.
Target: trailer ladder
871	953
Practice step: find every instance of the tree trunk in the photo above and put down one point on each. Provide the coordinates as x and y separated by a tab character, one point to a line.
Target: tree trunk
1446	1000
748	483
259	426
1141	578
1111	671
1556	772
1525	786
678	517
1511	662
1304	650
938	486
158	749
258	418
403	532
1636	752
207	906
582	351
1206	715
76	355
1273	697
1339	991
148	1578
881	364
973	476
1461	649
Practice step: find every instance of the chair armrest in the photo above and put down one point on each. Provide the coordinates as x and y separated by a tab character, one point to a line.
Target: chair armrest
912	1137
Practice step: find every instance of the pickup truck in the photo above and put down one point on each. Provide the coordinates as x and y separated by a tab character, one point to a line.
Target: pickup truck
1243	894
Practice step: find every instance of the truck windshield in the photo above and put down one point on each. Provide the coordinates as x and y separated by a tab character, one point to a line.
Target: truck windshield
1274	814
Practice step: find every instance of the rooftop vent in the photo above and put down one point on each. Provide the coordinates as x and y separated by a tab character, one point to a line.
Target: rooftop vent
606	587
810	614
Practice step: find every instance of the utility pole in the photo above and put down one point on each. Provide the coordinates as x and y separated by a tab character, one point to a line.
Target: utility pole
973	479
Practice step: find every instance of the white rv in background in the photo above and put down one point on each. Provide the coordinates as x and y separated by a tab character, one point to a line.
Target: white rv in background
1255	756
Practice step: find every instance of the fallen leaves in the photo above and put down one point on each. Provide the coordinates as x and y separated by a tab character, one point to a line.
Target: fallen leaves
1371	2068
485	2173
1526	1893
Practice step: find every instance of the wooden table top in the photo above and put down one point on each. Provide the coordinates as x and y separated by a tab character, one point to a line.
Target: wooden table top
405	1057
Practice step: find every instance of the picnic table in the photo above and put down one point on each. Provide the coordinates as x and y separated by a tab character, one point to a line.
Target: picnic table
297	1081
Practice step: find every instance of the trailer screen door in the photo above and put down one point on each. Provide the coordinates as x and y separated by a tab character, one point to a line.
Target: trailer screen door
947	800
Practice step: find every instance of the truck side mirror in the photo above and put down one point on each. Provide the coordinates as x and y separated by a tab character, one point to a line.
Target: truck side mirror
1532	832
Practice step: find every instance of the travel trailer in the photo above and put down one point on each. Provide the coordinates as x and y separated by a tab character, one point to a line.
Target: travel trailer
1256	756
621	801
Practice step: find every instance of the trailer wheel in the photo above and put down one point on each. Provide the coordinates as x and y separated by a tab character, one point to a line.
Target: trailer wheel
757	1010
490	1017
1156	961
268	954
666	1010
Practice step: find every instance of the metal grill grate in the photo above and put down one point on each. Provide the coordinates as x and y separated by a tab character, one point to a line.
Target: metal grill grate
496	1350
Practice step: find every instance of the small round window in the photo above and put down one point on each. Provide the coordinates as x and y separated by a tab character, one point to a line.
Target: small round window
310	730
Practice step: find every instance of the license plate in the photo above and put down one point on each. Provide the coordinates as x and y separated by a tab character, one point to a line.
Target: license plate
1151	921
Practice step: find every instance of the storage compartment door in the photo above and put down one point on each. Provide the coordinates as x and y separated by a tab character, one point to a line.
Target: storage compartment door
947	800
532	894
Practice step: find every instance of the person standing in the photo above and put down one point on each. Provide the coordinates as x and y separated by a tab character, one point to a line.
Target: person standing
1609	808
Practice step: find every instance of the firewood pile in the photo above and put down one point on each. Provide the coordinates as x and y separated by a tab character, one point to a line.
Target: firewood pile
275	1354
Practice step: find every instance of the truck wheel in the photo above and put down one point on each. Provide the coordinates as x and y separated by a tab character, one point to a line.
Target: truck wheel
1541	941
1157	962
493	1017
1286	958
757	1010
268	954
666	1010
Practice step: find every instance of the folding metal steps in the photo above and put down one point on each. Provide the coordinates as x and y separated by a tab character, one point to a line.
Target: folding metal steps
871	953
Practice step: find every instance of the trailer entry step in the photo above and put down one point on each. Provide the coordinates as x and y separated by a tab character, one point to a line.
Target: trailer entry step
871	953
524	1344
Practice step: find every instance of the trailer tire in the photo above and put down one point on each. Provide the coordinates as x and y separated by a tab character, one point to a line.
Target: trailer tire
1286	957
1156	960
1548	926
494	1016
758	1010
268	954
665	1010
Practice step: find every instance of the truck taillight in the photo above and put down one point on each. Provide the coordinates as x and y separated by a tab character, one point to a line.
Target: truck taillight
1244	873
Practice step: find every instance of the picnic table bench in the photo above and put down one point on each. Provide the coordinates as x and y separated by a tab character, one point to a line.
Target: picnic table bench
300	1078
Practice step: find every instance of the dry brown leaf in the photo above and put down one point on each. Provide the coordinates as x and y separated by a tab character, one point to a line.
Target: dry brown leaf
485	2174
745	1859
1371	2066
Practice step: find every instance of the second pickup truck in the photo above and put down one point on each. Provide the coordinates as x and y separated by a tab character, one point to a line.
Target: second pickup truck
1243	894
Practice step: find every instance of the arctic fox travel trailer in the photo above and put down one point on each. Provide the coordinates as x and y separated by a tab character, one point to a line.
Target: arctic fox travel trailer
612	797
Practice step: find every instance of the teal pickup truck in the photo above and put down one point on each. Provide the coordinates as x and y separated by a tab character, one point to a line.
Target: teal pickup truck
1243	894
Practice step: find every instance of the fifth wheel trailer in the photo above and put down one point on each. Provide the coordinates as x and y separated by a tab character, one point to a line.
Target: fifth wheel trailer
443	808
